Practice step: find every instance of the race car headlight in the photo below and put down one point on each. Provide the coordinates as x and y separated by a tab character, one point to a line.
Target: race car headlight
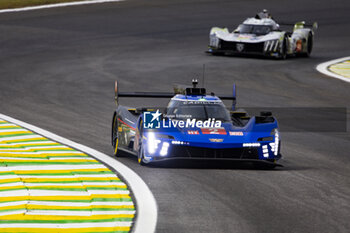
175	142
152	143
214	41
164	150
257	144
274	145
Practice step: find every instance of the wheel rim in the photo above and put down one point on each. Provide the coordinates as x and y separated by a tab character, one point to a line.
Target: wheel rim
140	154
115	135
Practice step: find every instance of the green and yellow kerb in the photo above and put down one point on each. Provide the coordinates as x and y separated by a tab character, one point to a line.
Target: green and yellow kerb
49	187
342	68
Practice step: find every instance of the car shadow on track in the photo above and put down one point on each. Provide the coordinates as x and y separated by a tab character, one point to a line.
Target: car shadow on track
256	56
211	164
206	164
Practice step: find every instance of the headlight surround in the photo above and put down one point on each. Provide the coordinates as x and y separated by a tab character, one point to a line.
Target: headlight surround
158	144
275	145
165	148
214	41
152	143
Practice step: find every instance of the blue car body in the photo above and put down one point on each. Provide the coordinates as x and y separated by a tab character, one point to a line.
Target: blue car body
239	137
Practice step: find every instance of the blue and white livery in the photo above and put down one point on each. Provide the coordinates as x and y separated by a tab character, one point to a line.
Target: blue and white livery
194	125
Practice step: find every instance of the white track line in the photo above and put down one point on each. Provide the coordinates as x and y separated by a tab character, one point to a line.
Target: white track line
323	68
30	8
146	218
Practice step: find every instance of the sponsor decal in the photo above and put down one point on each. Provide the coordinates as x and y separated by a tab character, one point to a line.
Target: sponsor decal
216	139
152	120
221	131
236	133
195	132
239	47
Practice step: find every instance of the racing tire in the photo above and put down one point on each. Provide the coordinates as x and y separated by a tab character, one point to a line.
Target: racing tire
140	156
309	45
114	136
140	153
310	42
283	50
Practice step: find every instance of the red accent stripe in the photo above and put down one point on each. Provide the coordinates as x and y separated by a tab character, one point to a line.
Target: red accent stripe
126	124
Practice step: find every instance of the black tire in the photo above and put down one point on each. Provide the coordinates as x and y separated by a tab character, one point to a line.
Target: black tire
114	136
310	43
140	153
283	50
140	156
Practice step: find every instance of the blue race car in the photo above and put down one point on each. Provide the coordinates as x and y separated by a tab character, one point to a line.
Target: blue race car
195	125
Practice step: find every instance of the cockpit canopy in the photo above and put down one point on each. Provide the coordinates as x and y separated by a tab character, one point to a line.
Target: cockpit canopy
197	109
254	29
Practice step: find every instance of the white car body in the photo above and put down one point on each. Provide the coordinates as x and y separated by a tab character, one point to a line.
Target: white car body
270	44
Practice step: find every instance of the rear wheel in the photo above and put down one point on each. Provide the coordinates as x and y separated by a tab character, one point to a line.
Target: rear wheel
309	45
310	42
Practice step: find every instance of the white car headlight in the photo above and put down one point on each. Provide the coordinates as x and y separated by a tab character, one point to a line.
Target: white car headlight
274	145
152	143
164	150
214	41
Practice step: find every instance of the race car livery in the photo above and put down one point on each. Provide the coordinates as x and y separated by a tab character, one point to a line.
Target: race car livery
194	126
261	35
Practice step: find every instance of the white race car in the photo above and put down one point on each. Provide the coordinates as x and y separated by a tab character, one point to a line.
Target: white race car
261	35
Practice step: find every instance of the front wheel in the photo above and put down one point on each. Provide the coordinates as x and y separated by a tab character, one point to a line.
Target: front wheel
283	49
141	150
115	135
140	156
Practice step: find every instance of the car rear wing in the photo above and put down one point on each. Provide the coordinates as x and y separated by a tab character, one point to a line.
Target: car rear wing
118	94
168	95
300	25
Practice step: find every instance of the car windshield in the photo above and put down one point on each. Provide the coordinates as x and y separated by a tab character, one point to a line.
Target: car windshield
254	29
199	110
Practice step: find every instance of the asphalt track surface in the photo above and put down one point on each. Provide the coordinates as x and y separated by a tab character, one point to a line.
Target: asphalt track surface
57	69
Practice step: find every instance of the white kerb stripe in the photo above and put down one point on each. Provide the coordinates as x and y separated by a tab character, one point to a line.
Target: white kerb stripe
57	5
64	225
146	218
76	213
323	68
